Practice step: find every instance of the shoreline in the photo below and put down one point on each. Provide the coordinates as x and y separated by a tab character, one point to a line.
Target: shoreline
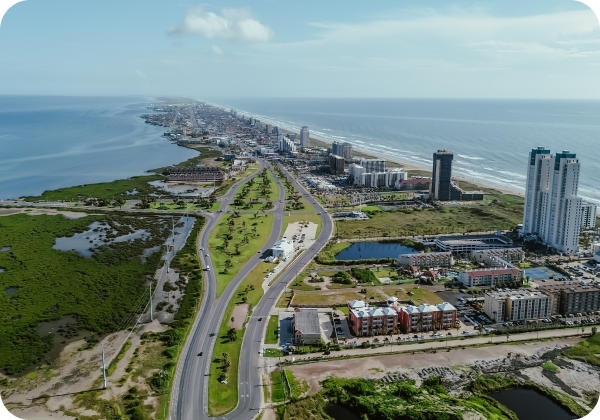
400	163
412	167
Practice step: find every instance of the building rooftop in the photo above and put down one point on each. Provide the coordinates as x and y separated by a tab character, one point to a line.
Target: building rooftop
475	239
306	321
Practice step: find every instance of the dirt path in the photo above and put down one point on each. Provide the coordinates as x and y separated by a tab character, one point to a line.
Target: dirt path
240	313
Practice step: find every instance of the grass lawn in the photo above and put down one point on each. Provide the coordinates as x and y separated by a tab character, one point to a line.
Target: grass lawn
334	286
223	256
284	300
300	284
271	334
298	386
420	295
224	186
106	190
278	392
222	398
328	298
476	217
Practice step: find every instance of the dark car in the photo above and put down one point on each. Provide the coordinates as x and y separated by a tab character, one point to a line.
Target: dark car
260	319
200	354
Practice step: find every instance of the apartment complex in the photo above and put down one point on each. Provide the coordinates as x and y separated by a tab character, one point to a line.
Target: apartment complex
342	149
195	174
517	305
572	299
429	259
427	317
588	215
552	208
366	321
491	256
286	145
492	277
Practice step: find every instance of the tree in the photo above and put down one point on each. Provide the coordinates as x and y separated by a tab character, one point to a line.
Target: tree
232	334
507	336
594	330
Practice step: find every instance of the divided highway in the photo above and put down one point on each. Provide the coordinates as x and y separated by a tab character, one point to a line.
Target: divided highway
190	385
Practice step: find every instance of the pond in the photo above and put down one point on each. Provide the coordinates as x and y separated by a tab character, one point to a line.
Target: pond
82	242
11	290
182	189
4	249
530	404
366	250
339	412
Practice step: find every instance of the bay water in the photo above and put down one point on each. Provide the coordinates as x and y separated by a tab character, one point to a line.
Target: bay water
50	142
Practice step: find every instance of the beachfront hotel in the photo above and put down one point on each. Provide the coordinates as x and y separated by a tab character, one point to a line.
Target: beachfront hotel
552	208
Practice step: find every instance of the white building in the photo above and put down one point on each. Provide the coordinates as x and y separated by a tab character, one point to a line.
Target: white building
283	248
427	259
489	276
372	165
304	136
359	175
286	145
552	208
517	305
588	215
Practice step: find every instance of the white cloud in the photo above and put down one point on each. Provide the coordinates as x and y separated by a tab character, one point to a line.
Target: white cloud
217	50
233	24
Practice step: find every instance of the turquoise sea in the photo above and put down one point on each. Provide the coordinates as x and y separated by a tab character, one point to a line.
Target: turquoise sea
490	138
52	142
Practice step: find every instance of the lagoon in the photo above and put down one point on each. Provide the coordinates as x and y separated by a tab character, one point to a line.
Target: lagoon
530	404
366	250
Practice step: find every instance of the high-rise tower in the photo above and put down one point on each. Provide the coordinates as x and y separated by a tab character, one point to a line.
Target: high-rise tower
304	135
441	185
552	208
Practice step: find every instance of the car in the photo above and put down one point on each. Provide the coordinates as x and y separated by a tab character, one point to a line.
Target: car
466	332
200	354
259	251
260	319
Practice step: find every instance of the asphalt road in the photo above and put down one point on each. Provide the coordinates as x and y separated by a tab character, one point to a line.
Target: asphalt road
190	387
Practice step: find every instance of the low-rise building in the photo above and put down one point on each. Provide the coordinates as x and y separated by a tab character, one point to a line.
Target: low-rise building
517	305
283	248
306	327
491	277
511	255
414	183
588	215
427	317
372	321
429	259
470	243
572	299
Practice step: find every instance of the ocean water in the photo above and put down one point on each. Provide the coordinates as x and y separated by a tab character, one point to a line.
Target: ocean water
53	142
490	138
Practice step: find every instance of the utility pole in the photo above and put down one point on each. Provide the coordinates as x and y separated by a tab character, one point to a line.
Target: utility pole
103	369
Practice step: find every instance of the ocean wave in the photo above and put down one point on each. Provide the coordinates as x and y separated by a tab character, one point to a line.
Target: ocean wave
471	157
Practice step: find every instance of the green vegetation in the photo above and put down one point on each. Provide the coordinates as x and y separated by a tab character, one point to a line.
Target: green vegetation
294	200
99	292
297	386
113	363
271	336
587	350
257	193
342	277
234	241
205	154
550	366
398	400
105	190
223	397
487	216
285	387
278	386
416	294
327	255
299	284
365	276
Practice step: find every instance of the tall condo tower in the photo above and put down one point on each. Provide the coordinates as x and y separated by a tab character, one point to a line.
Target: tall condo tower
304	137
441	185
552	208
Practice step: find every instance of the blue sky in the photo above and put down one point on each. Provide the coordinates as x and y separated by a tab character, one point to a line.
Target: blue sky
460	49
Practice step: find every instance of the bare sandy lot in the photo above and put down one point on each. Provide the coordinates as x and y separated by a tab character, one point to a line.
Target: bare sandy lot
240	312
379	365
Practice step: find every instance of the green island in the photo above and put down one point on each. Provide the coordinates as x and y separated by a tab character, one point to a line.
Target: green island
236	239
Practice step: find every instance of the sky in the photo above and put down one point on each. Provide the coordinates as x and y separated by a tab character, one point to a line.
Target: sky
285	48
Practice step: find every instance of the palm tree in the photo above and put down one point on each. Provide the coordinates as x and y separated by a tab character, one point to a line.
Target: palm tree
507	336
